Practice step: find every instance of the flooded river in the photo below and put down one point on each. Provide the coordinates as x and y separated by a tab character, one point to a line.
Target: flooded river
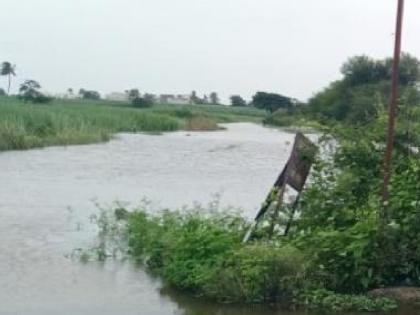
48	195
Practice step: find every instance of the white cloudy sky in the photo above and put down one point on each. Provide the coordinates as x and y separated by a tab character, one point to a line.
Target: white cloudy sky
294	47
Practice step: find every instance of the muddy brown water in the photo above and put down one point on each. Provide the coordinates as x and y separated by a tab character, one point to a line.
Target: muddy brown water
47	196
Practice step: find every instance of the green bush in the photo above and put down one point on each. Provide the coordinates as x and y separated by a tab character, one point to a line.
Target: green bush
328	301
203	252
258	273
141	102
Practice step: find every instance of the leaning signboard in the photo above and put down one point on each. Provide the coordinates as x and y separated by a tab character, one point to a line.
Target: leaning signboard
294	174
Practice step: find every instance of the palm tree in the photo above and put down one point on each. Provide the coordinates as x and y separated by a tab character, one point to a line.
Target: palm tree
8	69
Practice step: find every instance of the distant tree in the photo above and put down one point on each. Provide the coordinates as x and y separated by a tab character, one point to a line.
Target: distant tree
2	92
29	92
70	91
142	102
133	94
204	100
237	100
194	99
9	70
149	98
89	94
271	101
214	98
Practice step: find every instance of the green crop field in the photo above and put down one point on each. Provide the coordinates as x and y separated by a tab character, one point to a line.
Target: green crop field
65	122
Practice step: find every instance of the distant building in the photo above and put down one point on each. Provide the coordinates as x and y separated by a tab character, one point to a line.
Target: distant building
117	96
179	99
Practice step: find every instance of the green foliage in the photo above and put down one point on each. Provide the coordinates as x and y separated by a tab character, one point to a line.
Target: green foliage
142	102
402	263
2	92
327	301
27	126
271	101
237	100
9	70
66	122
89	94
214	98
203	252
364	90
29	92
258	273
132	94
339	225
362	70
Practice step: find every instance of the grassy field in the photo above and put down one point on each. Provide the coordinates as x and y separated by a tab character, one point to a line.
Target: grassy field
66	122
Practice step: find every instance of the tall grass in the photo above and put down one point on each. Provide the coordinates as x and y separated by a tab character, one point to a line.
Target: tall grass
65	122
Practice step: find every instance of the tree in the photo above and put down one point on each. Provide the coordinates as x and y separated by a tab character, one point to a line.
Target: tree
194	98
409	69
2	92
271	101
29	92
89	94
237	100
133	94
149	98
142	102
214	98
204	100
9	70
364	90
360	70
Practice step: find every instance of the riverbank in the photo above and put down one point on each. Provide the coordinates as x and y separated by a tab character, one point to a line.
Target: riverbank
67	122
336	252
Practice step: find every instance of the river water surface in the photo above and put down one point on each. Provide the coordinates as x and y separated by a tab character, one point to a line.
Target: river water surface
47	196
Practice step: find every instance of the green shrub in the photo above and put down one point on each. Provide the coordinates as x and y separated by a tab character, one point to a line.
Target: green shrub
203	252
327	301
140	102
258	273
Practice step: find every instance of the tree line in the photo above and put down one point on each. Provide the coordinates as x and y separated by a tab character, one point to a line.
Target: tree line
364	90
30	91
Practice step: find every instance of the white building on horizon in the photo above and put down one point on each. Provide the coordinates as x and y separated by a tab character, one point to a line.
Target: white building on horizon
117	96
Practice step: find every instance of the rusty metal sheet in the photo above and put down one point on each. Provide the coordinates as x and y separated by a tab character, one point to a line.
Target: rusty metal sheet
293	174
299	164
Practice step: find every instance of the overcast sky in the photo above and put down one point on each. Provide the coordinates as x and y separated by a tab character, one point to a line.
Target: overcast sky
293	47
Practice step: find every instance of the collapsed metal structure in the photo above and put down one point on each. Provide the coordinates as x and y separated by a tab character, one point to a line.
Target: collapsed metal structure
294	174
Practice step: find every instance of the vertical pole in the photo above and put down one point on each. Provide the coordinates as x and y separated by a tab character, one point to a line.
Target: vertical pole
392	109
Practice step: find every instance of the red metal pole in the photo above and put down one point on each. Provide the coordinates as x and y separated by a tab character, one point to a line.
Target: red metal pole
393	106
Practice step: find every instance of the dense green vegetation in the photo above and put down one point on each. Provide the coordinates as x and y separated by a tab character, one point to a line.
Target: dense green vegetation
341	245
64	122
335	252
364	90
272	101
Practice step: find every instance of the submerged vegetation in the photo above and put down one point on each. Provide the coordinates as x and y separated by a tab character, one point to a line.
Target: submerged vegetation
65	122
